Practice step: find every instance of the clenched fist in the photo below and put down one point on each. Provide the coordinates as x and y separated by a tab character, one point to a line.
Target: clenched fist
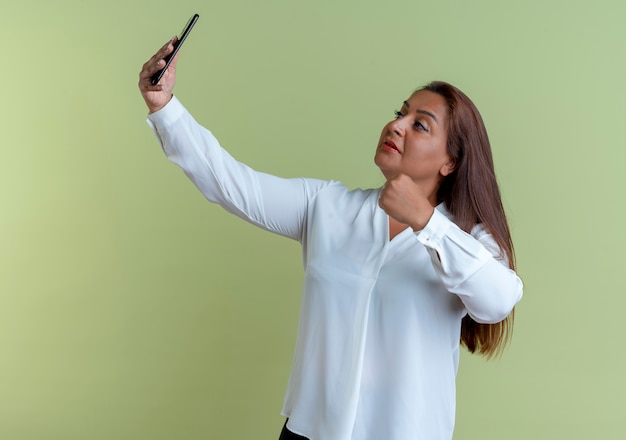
405	201
158	96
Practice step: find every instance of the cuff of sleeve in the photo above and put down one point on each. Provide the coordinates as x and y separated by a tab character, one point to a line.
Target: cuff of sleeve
167	115
456	255
435	230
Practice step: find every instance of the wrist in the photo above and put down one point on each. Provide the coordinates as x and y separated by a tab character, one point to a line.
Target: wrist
422	218
156	106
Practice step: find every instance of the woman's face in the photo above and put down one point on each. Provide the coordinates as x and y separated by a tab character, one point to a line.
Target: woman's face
414	143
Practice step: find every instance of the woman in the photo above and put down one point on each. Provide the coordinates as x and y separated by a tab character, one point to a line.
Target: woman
396	278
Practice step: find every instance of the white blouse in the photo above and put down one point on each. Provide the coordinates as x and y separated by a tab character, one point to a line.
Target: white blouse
378	338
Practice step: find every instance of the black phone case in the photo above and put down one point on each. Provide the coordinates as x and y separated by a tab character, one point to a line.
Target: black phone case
168	59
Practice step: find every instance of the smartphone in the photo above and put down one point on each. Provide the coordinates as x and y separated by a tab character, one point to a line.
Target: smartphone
181	39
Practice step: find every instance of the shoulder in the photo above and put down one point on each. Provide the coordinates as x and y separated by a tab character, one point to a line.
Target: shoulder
339	192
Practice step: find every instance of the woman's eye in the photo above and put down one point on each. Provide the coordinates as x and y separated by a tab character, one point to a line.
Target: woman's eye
419	126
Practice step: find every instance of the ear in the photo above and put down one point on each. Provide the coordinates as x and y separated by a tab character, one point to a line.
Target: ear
447	167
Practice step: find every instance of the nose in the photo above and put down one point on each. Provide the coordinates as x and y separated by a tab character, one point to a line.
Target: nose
397	126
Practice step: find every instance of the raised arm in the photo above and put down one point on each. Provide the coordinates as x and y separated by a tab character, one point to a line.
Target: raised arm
273	203
276	204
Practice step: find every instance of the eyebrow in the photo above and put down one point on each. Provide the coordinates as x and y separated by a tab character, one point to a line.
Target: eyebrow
424	112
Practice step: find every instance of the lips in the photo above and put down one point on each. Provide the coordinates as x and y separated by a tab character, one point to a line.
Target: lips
390	146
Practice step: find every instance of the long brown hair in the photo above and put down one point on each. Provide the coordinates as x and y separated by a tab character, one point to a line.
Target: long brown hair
472	195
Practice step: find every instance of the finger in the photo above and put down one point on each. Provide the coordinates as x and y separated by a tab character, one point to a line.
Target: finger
145	78
157	62
170	72
152	66
149	69
165	49
148	87
170	41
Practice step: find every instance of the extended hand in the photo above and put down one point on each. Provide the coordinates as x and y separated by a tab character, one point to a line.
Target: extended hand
405	201
158	96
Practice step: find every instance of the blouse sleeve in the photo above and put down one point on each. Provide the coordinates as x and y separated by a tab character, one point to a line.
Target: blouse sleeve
276	204
472	267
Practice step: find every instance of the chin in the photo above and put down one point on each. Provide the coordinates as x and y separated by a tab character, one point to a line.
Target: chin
379	161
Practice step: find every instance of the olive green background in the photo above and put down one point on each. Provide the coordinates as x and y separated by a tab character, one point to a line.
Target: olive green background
130	308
